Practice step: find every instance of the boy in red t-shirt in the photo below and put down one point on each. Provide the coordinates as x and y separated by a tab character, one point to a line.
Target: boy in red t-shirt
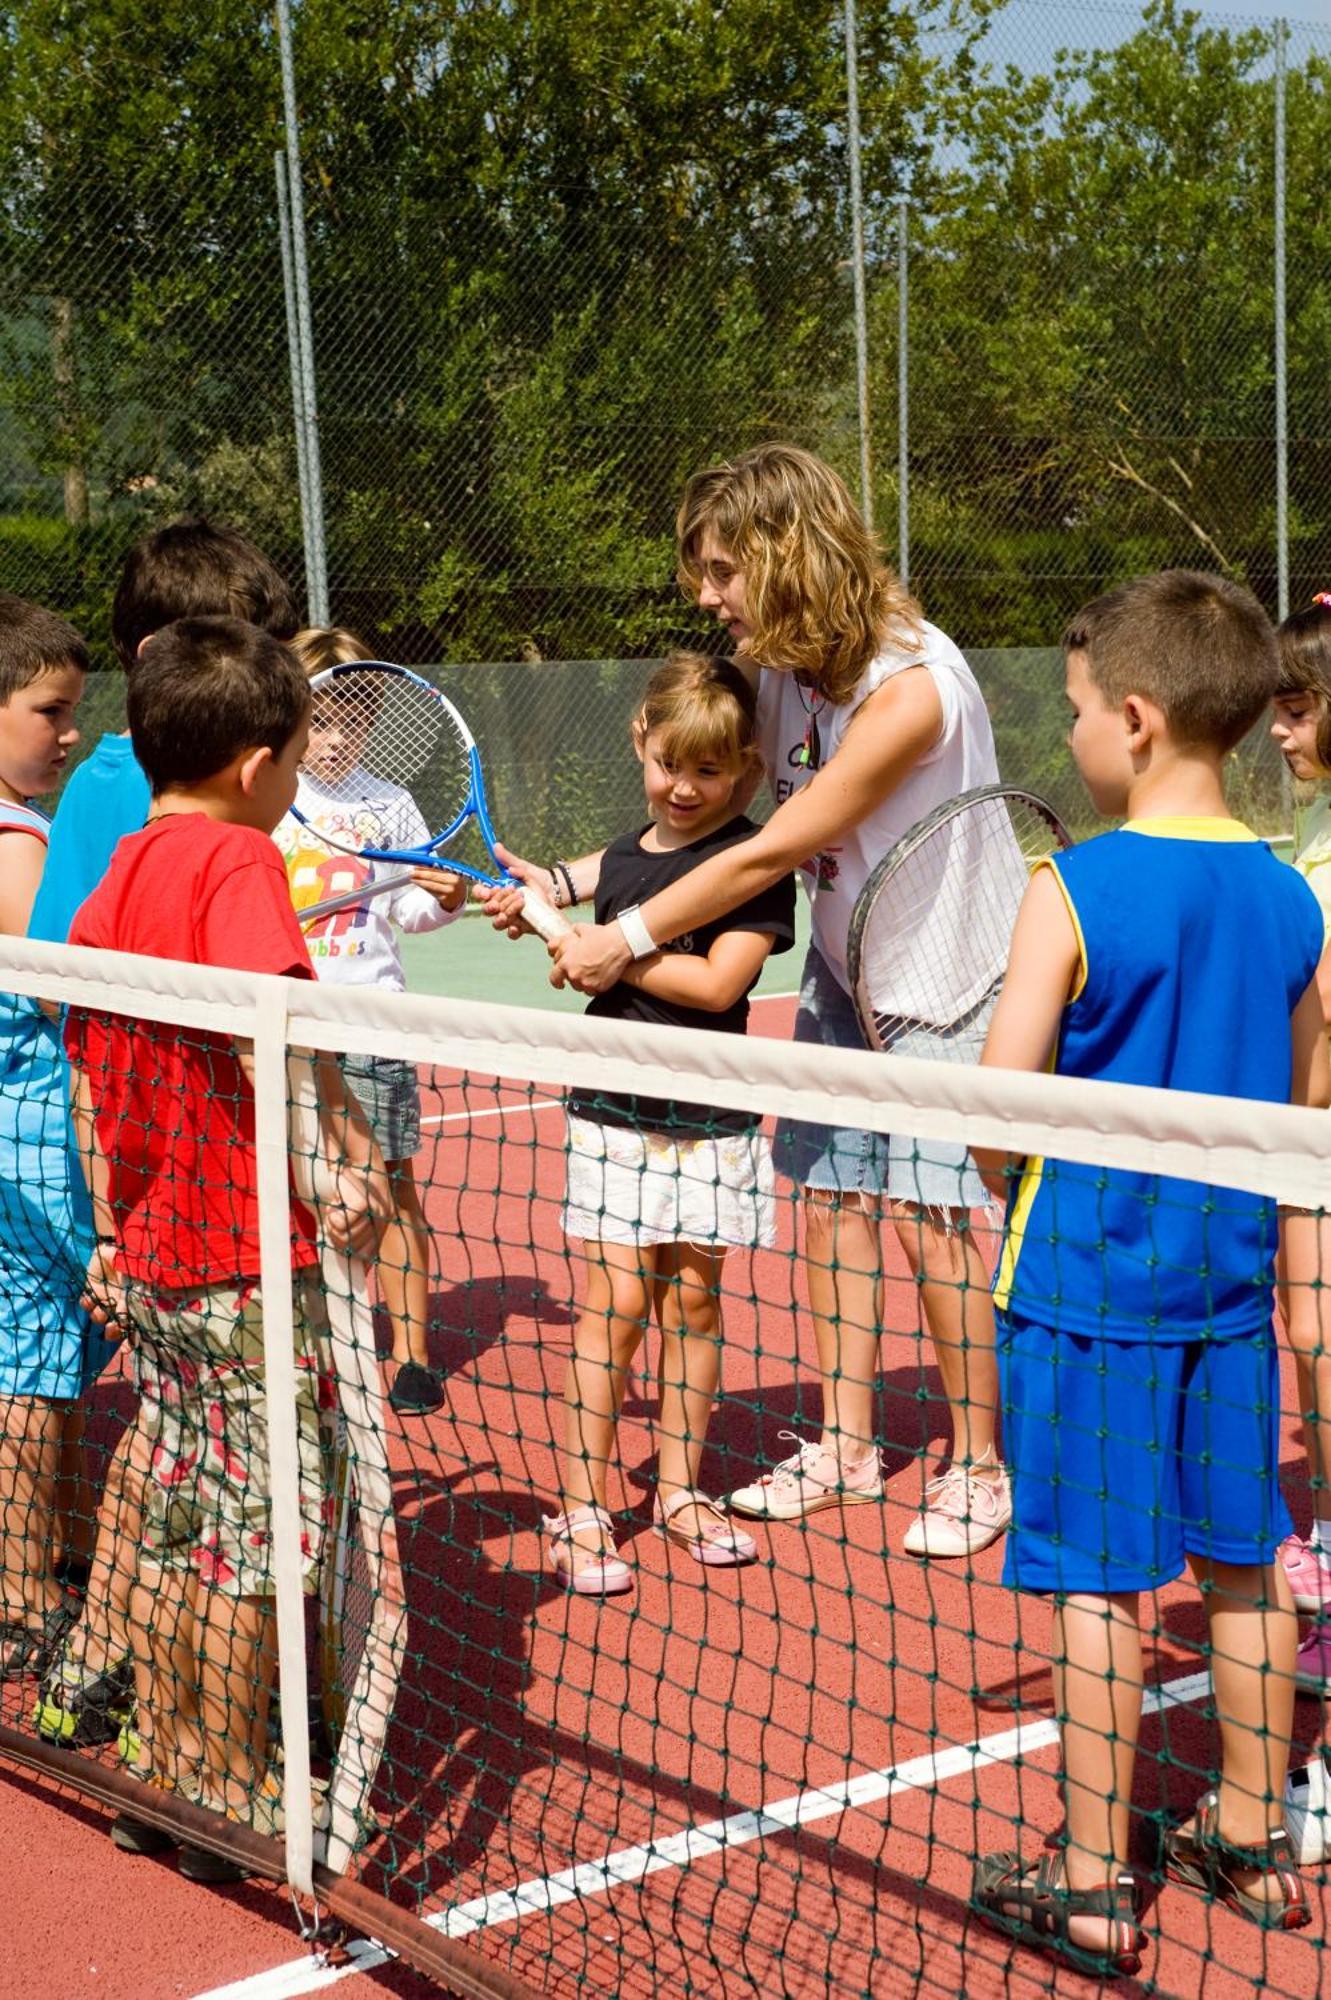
219	714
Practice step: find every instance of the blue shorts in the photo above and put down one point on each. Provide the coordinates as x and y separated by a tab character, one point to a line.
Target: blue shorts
1129	1456
48	1345
926	1173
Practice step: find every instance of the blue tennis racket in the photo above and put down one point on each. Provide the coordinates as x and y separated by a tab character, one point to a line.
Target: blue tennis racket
389	757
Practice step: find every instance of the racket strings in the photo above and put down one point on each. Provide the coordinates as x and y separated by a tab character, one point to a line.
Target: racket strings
935	948
376	734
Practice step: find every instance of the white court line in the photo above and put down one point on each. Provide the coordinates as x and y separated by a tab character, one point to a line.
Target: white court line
496	1111
695	1843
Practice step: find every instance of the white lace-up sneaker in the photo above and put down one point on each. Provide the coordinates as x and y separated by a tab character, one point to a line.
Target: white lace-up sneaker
1308	1810
811	1478
965	1510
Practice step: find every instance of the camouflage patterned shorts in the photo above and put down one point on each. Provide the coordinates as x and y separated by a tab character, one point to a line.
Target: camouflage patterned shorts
205	1413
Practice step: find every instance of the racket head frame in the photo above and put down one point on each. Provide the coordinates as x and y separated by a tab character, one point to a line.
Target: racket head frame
475	805
542	917
898	854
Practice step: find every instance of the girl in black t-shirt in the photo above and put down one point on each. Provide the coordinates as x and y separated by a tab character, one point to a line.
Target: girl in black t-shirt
657	1191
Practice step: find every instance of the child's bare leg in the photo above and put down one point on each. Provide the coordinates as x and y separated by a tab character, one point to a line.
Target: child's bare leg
30	1429
1312	1379
74	1505
404	1268
101	1636
161	1624
688	1308
1254	1636
606	1337
1098	1696
237	1639
1305	1296
945	1259
843	1263
1098	1693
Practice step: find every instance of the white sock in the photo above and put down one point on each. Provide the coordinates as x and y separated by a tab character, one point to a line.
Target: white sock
1320	1540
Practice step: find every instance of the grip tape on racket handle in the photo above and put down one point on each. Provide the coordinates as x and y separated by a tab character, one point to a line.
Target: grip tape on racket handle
543	918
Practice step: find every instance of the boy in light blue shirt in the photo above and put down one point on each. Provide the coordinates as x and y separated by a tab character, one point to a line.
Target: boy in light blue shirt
189	569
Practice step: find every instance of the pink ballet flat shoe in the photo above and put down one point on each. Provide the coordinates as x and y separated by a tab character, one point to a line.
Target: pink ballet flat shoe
718	1543
581	1570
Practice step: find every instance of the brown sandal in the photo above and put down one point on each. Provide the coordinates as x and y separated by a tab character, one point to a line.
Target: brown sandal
1046	1907
1202	1859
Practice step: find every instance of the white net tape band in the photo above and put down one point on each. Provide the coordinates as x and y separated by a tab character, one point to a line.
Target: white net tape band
1269	1149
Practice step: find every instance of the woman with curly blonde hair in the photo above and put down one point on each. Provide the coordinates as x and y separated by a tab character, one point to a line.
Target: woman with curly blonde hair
868	717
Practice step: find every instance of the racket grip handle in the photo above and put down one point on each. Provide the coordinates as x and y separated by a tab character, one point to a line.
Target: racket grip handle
544	920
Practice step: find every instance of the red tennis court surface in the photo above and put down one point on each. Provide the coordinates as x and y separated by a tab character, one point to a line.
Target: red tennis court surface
574	1788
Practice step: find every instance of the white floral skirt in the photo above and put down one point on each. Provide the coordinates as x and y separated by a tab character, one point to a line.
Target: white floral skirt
626	1186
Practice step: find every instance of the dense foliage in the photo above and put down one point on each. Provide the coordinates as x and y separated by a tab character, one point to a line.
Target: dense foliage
564	252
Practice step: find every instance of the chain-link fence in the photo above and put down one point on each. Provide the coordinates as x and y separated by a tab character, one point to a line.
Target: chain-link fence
561	777
549	278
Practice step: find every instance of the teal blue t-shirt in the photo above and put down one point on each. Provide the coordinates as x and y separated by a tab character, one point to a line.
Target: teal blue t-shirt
106	798
1196	946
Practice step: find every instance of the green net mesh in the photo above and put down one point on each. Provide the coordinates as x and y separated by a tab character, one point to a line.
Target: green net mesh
763	1750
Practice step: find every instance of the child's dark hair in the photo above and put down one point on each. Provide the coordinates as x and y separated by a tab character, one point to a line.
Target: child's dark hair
207	689
197	569
1198	645
1305	665
33	642
702	709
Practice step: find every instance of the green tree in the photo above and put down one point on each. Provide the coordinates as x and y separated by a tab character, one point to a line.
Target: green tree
1092	360
560	254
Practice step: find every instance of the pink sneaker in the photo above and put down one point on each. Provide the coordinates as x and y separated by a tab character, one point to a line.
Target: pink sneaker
1309	1578
1312	1662
810	1479
964	1512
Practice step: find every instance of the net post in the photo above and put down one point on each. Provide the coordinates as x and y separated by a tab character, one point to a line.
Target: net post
271	1143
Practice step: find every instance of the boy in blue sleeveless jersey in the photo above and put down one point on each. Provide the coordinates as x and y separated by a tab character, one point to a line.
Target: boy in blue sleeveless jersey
1140	1385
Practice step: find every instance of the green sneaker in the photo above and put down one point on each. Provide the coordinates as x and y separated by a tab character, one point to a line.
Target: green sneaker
80	1709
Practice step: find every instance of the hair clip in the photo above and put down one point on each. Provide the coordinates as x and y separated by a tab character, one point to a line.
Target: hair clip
1322	597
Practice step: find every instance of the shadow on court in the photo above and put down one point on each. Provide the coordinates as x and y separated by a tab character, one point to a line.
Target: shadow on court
745	1437
466	1319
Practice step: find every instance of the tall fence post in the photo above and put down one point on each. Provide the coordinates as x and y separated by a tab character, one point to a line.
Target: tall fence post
903	388
293	357
857	261
1282	406
317	574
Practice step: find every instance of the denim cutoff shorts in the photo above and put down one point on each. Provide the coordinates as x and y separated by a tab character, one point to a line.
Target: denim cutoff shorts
390	1097
838	1159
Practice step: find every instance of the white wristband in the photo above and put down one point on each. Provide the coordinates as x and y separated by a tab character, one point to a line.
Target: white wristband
636	934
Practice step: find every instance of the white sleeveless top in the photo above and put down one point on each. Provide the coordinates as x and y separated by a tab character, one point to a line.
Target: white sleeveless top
962	758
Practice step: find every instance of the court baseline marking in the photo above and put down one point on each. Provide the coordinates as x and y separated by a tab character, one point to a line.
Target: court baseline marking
696	1843
496	1111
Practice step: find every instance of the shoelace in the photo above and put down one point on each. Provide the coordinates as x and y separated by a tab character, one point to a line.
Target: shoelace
801	1460
792	1467
952	1492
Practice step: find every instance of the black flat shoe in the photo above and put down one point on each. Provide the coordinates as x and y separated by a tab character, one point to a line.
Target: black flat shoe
416	1390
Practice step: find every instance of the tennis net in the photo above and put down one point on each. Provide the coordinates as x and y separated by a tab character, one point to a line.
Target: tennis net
766	1777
